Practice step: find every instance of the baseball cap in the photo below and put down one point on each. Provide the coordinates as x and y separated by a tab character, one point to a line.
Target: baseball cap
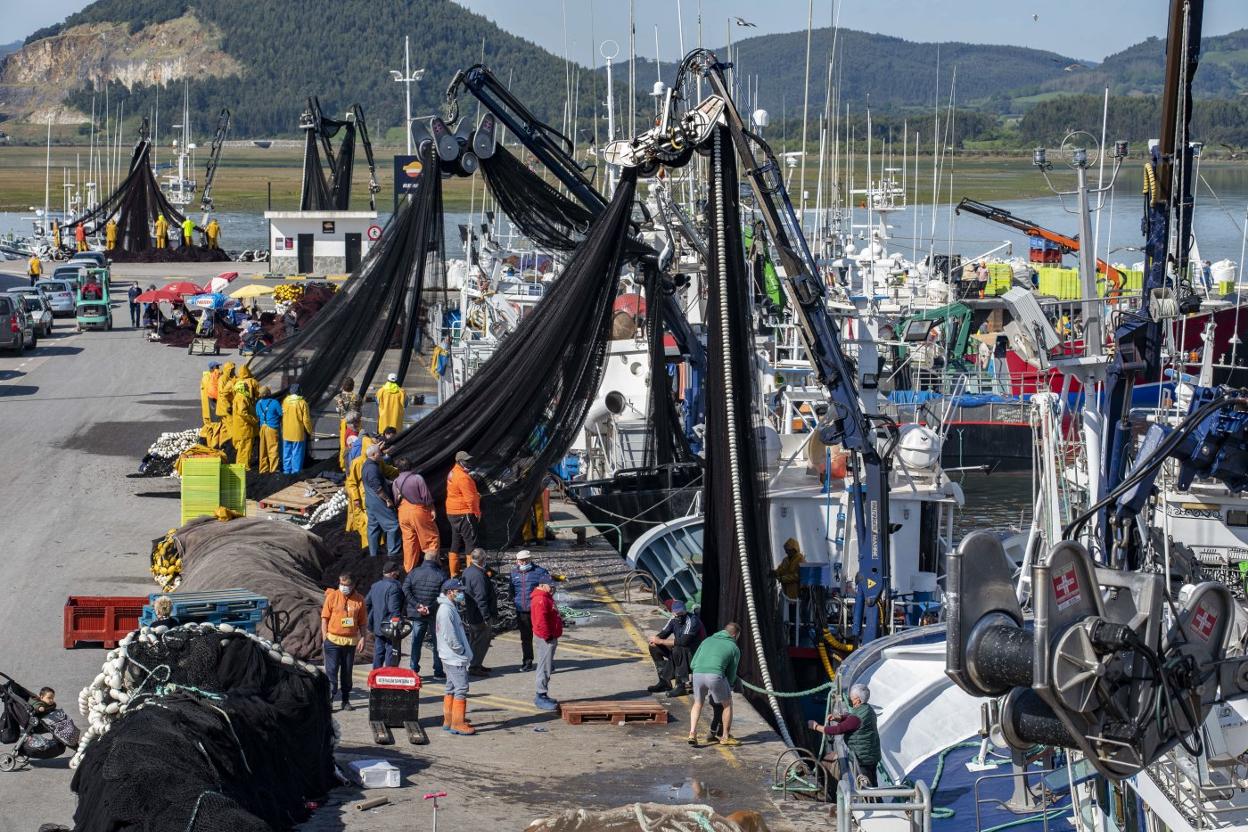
463	456
452	583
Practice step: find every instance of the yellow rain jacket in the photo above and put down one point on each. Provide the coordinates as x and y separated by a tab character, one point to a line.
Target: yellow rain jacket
162	234
244	426
244	379
357	517
390	403
296	419
225	389
110	235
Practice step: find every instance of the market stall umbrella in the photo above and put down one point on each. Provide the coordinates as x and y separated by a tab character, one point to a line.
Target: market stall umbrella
218	283
213	300
255	290
182	287
158	296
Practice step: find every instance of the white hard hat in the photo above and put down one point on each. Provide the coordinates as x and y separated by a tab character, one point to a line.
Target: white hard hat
392	377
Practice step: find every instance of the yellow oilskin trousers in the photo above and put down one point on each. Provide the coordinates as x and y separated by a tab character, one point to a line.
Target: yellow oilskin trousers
270	451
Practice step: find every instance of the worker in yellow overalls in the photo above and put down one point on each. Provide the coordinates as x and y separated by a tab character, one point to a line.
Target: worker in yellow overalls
162	231
110	234
213	232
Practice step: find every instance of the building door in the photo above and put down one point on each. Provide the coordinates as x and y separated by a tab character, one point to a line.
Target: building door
305	253
353	252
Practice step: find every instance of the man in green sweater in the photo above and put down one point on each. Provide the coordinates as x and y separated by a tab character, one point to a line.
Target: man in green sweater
862	738
714	668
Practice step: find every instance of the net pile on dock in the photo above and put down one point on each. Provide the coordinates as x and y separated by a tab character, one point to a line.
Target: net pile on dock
164	452
205	729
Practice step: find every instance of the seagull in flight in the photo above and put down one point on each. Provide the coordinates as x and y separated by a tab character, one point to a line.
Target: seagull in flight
741	21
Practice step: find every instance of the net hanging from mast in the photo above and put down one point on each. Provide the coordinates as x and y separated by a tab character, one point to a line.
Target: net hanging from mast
520	412
736	541
377	309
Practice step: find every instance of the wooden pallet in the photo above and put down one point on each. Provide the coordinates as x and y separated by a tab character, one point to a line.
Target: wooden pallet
608	711
294	499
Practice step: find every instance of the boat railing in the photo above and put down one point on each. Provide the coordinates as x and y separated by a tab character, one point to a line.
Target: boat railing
1046	798
1194	799
855	804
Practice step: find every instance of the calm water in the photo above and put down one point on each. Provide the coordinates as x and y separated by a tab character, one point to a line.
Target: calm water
996	502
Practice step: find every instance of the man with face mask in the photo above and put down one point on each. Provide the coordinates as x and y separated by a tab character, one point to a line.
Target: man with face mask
463	511
524	579
456	655
342	626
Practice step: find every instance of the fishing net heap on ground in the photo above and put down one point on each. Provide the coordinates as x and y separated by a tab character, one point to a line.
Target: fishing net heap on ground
202	729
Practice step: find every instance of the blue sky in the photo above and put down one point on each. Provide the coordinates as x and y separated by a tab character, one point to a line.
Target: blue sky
1078	28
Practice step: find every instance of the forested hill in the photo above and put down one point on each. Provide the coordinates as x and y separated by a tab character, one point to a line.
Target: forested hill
263	58
341	51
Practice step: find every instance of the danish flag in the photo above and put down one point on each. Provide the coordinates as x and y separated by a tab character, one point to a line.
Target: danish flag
1066	588
1203	622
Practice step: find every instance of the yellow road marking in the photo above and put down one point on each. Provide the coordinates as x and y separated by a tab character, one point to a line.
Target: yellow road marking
579	647
505	703
626	622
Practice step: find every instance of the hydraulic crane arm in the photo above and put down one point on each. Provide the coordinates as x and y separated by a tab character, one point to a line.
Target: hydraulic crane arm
1068	245
671	143
373	187
214	158
545	142
554	150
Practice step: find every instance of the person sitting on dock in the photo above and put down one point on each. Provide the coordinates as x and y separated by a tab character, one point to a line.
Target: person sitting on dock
671	649
862	737
714	667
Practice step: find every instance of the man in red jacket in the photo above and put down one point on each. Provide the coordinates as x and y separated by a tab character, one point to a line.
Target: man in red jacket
547	628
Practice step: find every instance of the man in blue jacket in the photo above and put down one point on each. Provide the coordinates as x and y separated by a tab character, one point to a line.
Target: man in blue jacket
525	578
383	602
421	589
672	648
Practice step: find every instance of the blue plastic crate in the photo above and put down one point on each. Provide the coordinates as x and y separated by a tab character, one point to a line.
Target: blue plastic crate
237	607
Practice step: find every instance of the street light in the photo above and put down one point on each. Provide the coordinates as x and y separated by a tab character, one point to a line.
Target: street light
406	77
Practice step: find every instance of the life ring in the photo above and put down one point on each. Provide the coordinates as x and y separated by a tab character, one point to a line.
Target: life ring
374	233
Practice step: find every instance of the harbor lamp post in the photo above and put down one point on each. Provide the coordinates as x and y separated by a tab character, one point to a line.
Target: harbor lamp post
406	77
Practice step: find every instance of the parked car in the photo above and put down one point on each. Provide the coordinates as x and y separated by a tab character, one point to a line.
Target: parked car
38	308
98	259
72	272
16	333
60	294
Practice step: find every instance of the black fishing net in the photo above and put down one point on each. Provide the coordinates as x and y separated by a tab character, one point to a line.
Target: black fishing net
545	216
735	529
376	310
327	180
666	442
222	738
519	413
134	205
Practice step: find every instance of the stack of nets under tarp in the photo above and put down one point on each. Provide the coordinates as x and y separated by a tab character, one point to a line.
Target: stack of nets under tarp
735	582
376	310
519	413
202	729
281	561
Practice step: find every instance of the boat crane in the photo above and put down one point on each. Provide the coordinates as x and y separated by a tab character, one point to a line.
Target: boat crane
555	152
871	438
214	157
1067	244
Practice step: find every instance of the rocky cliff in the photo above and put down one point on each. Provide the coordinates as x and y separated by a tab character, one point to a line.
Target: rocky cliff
35	78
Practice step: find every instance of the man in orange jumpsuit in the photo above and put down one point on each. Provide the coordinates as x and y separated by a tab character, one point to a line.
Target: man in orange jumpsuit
463	511
417	515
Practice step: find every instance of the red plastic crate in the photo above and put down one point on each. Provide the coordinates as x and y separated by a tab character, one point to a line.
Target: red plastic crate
101	618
